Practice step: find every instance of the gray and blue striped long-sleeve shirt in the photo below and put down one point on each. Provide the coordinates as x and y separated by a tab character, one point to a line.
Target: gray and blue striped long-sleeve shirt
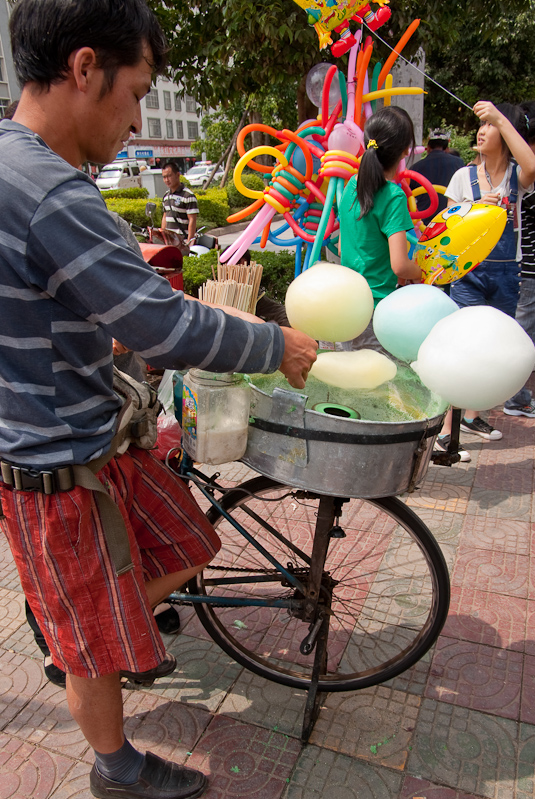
68	285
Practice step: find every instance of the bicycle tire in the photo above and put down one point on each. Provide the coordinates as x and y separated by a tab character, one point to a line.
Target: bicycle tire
403	570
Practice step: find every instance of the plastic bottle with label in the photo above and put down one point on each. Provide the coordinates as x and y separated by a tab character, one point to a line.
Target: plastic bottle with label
215	416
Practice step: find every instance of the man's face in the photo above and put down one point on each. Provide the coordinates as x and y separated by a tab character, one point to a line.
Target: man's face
170	178
118	113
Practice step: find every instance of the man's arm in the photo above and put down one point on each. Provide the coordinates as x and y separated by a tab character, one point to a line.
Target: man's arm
192	226
78	256
164	215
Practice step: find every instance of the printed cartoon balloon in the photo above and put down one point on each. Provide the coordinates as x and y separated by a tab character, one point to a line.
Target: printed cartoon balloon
329	15
477	357
458	239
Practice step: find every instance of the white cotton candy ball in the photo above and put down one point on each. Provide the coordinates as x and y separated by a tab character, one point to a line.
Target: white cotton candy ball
476	357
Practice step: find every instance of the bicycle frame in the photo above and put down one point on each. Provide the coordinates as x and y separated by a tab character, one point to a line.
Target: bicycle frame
188	472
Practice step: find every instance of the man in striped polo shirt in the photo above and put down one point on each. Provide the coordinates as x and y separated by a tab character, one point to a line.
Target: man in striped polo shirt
179	204
69	285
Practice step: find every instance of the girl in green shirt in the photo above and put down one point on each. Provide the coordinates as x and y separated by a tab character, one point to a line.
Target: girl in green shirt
374	216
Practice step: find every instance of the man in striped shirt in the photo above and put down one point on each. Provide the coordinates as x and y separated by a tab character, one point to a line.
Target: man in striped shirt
179	204
69	285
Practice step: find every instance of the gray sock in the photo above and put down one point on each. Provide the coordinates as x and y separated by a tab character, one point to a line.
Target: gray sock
121	766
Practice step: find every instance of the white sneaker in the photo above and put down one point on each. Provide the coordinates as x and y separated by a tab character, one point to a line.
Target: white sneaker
481	428
442	443
526	410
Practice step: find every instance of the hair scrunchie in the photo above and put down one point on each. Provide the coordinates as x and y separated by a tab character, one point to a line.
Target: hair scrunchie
372	144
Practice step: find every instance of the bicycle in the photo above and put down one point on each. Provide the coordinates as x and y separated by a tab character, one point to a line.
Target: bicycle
317	592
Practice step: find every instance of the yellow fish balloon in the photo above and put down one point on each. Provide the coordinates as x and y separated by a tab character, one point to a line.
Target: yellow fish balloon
326	15
458	239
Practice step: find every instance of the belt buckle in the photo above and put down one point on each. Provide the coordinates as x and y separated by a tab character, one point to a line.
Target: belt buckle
32	480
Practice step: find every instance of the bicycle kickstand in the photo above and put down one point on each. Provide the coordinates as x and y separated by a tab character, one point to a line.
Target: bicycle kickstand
329	510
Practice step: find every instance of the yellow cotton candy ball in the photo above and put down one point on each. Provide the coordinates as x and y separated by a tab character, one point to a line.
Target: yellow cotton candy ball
361	369
329	302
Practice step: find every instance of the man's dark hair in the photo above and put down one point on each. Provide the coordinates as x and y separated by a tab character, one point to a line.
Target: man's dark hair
44	33
9	113
437	144
172	165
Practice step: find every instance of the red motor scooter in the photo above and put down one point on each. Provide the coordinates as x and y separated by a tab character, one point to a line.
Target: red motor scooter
164	250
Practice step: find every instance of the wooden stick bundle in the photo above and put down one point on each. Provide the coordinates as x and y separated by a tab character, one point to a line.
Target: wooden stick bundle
237	286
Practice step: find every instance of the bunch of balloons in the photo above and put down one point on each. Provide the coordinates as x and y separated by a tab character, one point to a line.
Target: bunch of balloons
314	163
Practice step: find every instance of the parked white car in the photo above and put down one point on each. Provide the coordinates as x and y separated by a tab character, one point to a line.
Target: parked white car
123	174
198	174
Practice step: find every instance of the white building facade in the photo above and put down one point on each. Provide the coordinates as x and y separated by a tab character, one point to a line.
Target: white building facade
170	124
9	90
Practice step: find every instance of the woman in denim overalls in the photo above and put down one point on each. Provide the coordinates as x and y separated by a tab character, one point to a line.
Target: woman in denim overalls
498	180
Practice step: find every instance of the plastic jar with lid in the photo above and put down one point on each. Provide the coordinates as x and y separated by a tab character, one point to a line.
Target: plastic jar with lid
215	416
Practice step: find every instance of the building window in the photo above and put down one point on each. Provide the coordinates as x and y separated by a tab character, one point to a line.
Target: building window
190	105
3	106
179	129
193	130
169	128
152	100
178	103
167	101
155	128
1	70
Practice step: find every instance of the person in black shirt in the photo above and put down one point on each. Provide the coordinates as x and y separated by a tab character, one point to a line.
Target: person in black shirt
438	167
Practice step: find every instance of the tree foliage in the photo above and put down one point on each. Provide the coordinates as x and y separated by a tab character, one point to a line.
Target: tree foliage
491	62
226	51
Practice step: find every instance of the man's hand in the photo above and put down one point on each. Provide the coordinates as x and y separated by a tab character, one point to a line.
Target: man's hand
299	355
119	349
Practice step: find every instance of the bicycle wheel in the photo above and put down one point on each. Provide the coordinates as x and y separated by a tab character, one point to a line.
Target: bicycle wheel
387	582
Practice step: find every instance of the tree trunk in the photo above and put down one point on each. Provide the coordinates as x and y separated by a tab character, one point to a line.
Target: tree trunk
257	136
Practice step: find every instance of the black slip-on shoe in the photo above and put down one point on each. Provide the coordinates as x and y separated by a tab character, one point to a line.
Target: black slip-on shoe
54	674
158	779
148	677
168	621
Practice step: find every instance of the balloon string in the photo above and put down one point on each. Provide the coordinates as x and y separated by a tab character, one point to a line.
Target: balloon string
420	70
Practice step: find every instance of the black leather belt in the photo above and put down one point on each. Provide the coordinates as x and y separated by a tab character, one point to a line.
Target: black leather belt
45	481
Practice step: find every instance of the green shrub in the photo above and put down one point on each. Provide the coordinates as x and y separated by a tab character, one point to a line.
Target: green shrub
197	270
213	205
238	200
134	193
133	211
278	272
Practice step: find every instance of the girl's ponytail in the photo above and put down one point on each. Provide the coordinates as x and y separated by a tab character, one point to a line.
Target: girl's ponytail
370	178
387	134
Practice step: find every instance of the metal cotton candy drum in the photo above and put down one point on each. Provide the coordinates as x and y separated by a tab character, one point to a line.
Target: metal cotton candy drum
332	455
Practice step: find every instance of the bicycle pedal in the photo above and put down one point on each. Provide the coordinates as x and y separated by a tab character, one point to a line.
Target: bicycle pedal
337	532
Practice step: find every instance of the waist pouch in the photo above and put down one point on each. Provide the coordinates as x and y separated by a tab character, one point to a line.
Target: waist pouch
136	424
137	420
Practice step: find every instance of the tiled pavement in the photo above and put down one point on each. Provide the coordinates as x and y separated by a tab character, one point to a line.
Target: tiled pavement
459	725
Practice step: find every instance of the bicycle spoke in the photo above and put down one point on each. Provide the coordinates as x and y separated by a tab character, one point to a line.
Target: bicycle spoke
380	581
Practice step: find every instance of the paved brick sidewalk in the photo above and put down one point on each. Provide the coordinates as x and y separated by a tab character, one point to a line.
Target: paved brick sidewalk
459	725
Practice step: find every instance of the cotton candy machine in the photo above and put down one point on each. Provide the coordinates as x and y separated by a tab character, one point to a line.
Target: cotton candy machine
343	442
